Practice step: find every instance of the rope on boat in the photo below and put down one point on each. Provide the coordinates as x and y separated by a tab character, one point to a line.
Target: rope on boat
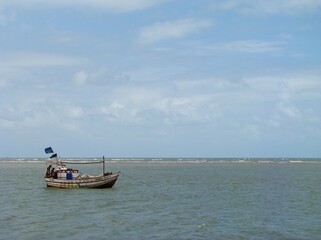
136	179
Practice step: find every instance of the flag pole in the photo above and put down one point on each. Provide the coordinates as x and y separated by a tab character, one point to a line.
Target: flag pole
103	165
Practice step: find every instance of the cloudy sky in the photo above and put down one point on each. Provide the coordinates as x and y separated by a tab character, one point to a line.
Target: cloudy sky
160	78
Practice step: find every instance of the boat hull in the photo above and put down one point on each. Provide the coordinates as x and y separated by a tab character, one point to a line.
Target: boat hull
104	181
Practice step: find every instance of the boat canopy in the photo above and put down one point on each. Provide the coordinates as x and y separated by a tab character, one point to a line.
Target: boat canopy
82	162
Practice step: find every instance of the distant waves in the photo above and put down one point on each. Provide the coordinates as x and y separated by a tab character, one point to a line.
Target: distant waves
178	160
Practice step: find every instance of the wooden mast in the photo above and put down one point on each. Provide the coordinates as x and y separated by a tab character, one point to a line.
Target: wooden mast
103	165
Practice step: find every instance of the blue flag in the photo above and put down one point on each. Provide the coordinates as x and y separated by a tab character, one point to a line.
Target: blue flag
49	150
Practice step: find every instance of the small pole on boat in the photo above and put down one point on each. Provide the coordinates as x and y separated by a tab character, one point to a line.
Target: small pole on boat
103	165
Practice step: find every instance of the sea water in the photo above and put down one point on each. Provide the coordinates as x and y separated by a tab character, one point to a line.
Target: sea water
167	199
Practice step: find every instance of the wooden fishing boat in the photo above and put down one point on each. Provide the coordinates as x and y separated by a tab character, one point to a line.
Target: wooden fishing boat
59	176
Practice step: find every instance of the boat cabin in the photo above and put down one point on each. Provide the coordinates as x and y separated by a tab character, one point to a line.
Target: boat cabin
67	174
61	172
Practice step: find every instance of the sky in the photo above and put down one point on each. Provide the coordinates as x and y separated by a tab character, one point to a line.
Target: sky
160	78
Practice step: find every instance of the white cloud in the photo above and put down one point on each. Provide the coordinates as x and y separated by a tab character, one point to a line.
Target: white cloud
189	107
250	46
145	105
80	78
286	99
3	83
196	101
308	82
126	105
34	59
122	113
75	112
252	131
30	111
172	29
6	124
6	16
270	7
266	84
109	5
290	111
210	100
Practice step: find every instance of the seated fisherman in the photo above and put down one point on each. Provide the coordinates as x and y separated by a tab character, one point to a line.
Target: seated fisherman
48	171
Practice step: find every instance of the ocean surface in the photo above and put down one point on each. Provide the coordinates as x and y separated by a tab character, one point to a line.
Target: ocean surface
167	199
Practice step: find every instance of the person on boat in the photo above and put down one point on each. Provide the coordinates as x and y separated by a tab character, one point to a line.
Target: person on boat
48	171
55	175
52	172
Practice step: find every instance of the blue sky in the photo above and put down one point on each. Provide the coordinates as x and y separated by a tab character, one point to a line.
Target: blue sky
144	78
